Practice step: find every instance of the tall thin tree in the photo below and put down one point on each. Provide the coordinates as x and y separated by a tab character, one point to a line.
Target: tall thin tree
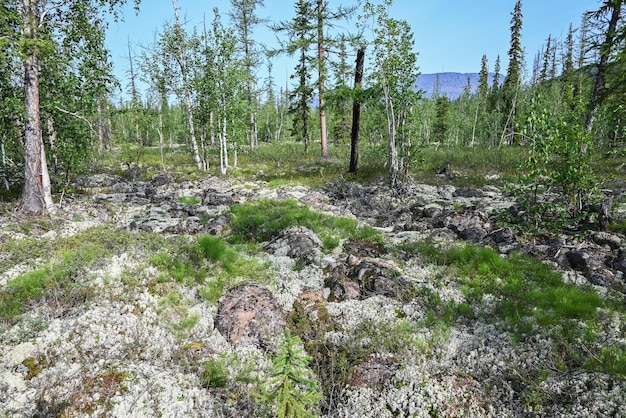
245	19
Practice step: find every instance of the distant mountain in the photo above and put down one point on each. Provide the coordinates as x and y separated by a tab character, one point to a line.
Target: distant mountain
450	84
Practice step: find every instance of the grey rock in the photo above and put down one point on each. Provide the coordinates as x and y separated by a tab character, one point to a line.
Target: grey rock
503	236
468	192
161	179
604	238
378	277
577	260
297	242
122	187
97	180
374	373
213	198
473	234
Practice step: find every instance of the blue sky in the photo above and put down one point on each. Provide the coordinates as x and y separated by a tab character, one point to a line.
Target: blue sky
450	35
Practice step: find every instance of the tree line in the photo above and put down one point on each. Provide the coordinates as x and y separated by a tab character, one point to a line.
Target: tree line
211	89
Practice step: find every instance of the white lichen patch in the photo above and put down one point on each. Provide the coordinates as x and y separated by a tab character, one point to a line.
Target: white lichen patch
18	270
351	313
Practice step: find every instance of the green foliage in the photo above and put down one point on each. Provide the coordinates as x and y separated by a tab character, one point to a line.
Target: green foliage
261	220
559	161
215	249
440	126
524	287
214	374
210	262
292	386
611	359
395	72
213	290
528	296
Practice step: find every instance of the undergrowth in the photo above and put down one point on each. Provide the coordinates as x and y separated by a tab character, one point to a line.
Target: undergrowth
263	219
211	263
531	298
59	278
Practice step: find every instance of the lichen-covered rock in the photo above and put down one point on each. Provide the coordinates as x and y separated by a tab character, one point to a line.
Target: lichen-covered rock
161	179
297	242
604	238
379	277
249	315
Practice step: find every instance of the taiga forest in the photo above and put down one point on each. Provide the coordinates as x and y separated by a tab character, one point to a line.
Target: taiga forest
199	240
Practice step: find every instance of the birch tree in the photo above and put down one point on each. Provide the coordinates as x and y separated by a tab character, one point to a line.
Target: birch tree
43	25
395	72
181	49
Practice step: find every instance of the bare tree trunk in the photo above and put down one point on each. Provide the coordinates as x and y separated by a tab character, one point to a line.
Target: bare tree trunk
223	147
192	131
474	129
212	127
161	141
356	113
391	127
322	77
134	94
5	178
36	197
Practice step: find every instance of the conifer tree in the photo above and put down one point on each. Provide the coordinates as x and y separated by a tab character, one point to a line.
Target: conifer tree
483	78
496	75
547	54
245	19
300	33
513	79
292	387
612	8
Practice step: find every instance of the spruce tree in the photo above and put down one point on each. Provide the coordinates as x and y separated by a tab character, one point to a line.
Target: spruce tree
483	78
300	32
496	75
547	54
292	388
513	79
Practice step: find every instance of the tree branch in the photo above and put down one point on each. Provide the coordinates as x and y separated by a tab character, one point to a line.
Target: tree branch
49	9
77	116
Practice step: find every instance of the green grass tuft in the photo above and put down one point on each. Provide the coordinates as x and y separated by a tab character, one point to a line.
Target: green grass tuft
262	220
189	200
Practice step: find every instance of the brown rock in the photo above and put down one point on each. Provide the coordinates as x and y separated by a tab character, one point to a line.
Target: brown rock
250	315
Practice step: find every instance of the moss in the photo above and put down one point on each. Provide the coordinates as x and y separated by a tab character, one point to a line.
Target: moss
34	366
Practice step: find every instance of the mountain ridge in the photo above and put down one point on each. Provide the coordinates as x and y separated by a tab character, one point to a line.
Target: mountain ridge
451	84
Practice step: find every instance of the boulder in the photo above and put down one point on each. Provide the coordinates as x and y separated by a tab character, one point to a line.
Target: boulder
297	242
606	239
249	315
161	179
378	277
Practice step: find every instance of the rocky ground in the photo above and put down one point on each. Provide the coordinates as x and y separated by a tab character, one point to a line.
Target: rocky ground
126	351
